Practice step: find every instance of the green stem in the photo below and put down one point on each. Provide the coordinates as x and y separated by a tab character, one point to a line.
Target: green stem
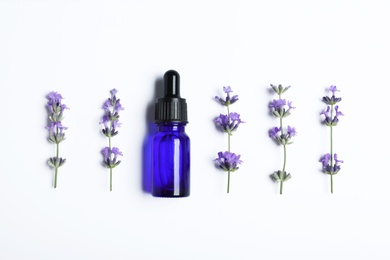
228	114
331	183
331	151
284	157
110	179
284	151
56	168
55	177
228	186
284	167
331	139
331	158
109	145
229	142
281	126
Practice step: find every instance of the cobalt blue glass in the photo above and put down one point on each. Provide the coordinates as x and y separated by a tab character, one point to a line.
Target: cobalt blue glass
171	145
171	161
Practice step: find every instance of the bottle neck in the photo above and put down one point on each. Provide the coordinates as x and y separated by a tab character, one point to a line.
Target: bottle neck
171	126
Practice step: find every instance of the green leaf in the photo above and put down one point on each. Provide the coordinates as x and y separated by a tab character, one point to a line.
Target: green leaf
276	113
62	162
52	138
282	175
280	89
275	177
275	89
288	176
286	114
49	162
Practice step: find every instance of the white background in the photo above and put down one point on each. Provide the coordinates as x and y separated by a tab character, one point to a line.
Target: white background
82	49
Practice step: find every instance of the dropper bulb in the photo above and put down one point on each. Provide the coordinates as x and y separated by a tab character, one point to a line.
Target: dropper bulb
171	107
171	84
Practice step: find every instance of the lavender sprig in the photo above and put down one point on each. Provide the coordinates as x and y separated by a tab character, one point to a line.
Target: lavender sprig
228	161
330	161
56	129
281	108
110	120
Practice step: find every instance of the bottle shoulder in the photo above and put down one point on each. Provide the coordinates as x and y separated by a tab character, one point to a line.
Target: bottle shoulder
171	134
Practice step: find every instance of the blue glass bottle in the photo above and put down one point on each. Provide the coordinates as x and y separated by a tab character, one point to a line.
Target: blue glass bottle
171	145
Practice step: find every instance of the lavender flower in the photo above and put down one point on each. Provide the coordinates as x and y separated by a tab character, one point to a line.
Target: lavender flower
228	161
228	100
283	139
333	99
329	167
56	129
330	163
110	120
228	123
107	153
281	109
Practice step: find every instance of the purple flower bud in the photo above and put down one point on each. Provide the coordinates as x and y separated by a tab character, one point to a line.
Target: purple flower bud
113	91
234	99
291	131
54	97
222	120
325	160
220	100
235	117
338	113
105	121
106	153
107	105
227	89
337	161
274	132
116	124
116	152
326	111
333	89
118	106
327	120
289	103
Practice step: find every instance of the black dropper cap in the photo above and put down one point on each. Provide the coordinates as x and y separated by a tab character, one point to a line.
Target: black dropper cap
171	107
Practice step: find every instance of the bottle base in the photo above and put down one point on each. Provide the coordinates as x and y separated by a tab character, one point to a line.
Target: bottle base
169	194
